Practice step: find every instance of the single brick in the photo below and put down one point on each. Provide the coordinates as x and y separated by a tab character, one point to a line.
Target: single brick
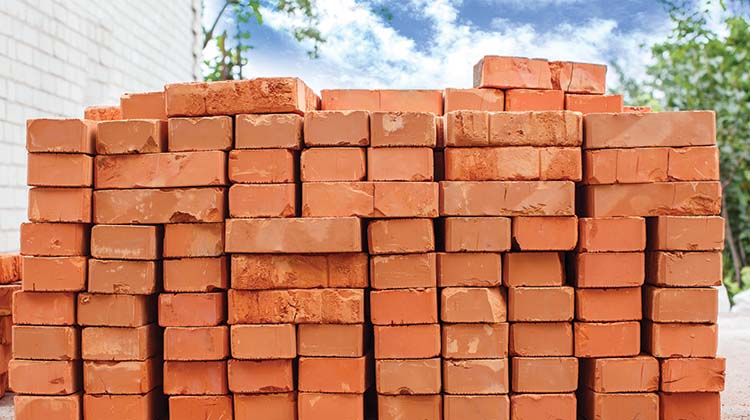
403	271
684	233
411	100
595	405
45	343
350	99
611	234
181	205
469	269
298	271
587	104
327	164
405	199
533	304
694	304
300	306
397	407
411	376
338	199
286	235
31	407
694	164
280	406
534	128
679	340
44	308
260	376
578	77
684	269
191	309
115	310
337	128
217	407
512	72
70	205
545	233
334	374
414	129
160	170
131	136
120	344
620	374
475	341
313	405
607	339
54	274
541	339
473	99
54	239
535	406
596	269
492	164
143	105
196	343
533	269
475	377
400	236
544	374
268	131
204	274
404	306
468	304
651	129
46	135
126	242
467	128
102	113
488	234
126	377
256	342
200	133
534	100
11	266
59	170
400	164
699	405
7	299
263	200
610	304
332	340
195	378
266	166
560	163
692	375
120	276
507	198
194	239
407	341
139	406
44	377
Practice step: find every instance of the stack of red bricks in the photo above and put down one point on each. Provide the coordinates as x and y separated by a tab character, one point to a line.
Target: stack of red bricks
259	253
10	274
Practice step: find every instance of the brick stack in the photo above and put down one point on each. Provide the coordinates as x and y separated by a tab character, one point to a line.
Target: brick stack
10	274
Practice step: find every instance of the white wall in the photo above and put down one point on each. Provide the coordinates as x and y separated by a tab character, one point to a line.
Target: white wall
59	56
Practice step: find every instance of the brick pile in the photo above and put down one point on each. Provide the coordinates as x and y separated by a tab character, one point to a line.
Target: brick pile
257	252
11	268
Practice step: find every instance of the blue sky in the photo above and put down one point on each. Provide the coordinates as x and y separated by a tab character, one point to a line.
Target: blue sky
435	43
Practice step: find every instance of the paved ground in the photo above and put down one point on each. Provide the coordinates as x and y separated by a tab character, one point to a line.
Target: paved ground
734	344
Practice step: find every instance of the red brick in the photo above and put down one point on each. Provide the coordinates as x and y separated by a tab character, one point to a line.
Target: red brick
534	100
289	271
537	406
268	131
127	377
139	407
512	72
475	377
608	339
313	405
476	234
217	407
611	304
131	136
692	375
119	276
475	341
684	269
54	239
60	136
532	304
400	236
680	233
11	266
126	242
610	269
115	310
160	170
697	405
578	77
397	100
263	200
415	376
327	164
694	164
260	95
120	344
182	205
195	274
404	306
587	104
397	407
467	128
262	166
535	128
560	163
54	274
196	343
44	377
415	129
680	340
400	164
318	235
45	343
594	405
200	133
405	199
680	304
7	300
30	407
332	340
492	164
350	99
258	342
473	99
625	374
507	198
337	128
44	308
281	406
194	239
195	378
638	108
301	306
260	376
102	113
6	335
618	234
469	269
143	105
541	339
191	309
544	374
533	269
472	304
626	166
336	199
407	341
545	233
334	374
71	205
403	271
59	170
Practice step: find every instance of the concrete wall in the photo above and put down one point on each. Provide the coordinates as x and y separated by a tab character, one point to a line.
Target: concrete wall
59	56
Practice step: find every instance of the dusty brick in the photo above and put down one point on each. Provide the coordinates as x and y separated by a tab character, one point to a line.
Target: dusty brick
263	200
400	236
332	340
54	239
312	405
469	269
337	128
462	234
467	128
139	406
405	199
681	233
143	105
131	136
60	136
196	343
680	340
681	304
102	113
217	407
545	233
45	343
266	166
624	374
70	205
258	342
544	374
535	128
194	239
31	407
492	164
475	377
596	269
127	377
274	271
120	344
465	304
587	104
181	205
260	376
692	375
400	164
396	407
541	339
414	377
404	306
618	234
475	341
630	129
507	198
44	377
533	269
334	374
115	310
684	269
195	274
59	170
160	170
268	131
473	99
200	133
414	129
407	341
608	339
119	276
403	271
126	242
512	72
327	164
281	406
595	405
533	304
286	235
701	405
535	406
44	308
611	304
54	274
191	309
11	266
195	378
534	100
578	77
301	306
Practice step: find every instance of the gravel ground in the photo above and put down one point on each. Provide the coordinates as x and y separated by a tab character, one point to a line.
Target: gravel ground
734	344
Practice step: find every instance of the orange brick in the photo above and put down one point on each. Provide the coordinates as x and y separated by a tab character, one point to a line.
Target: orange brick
512	72
44	377
475	377
680	304
45	343
639	108
610	269
535	128
403	306
337	128
332	340
624	374
403	271
262	166
469	269
71	205
560	163
475	341
128	377
400	164
54	239
60	136
476	234
335	374
139	406
578	77
626	166
120	276
487	407
507	198
680	340
59	170
263	200
607	339
195	274
200	133
651	129
195	378
257	342
120	344
328	164
182	205
405	199
313	405
201	406
268	131
595	405
472	304
11	266
196	343
350	99
126	242
541	339
115	310
31	407
131	136
411	100
400	236
694	164
160	170
534	100
544	374
334	199
415	129
191	309
290	271
44	308
692	375
492	164
301	306
280	406
535	406
102	113
473	100
533	269
467	128
684	269
6	334
396	407
682	233
415	376
618	234
611	304
54	274
545	233
143	105
699	405
587	104
194	239
407	341
260	376
532	304
286	235
6	298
